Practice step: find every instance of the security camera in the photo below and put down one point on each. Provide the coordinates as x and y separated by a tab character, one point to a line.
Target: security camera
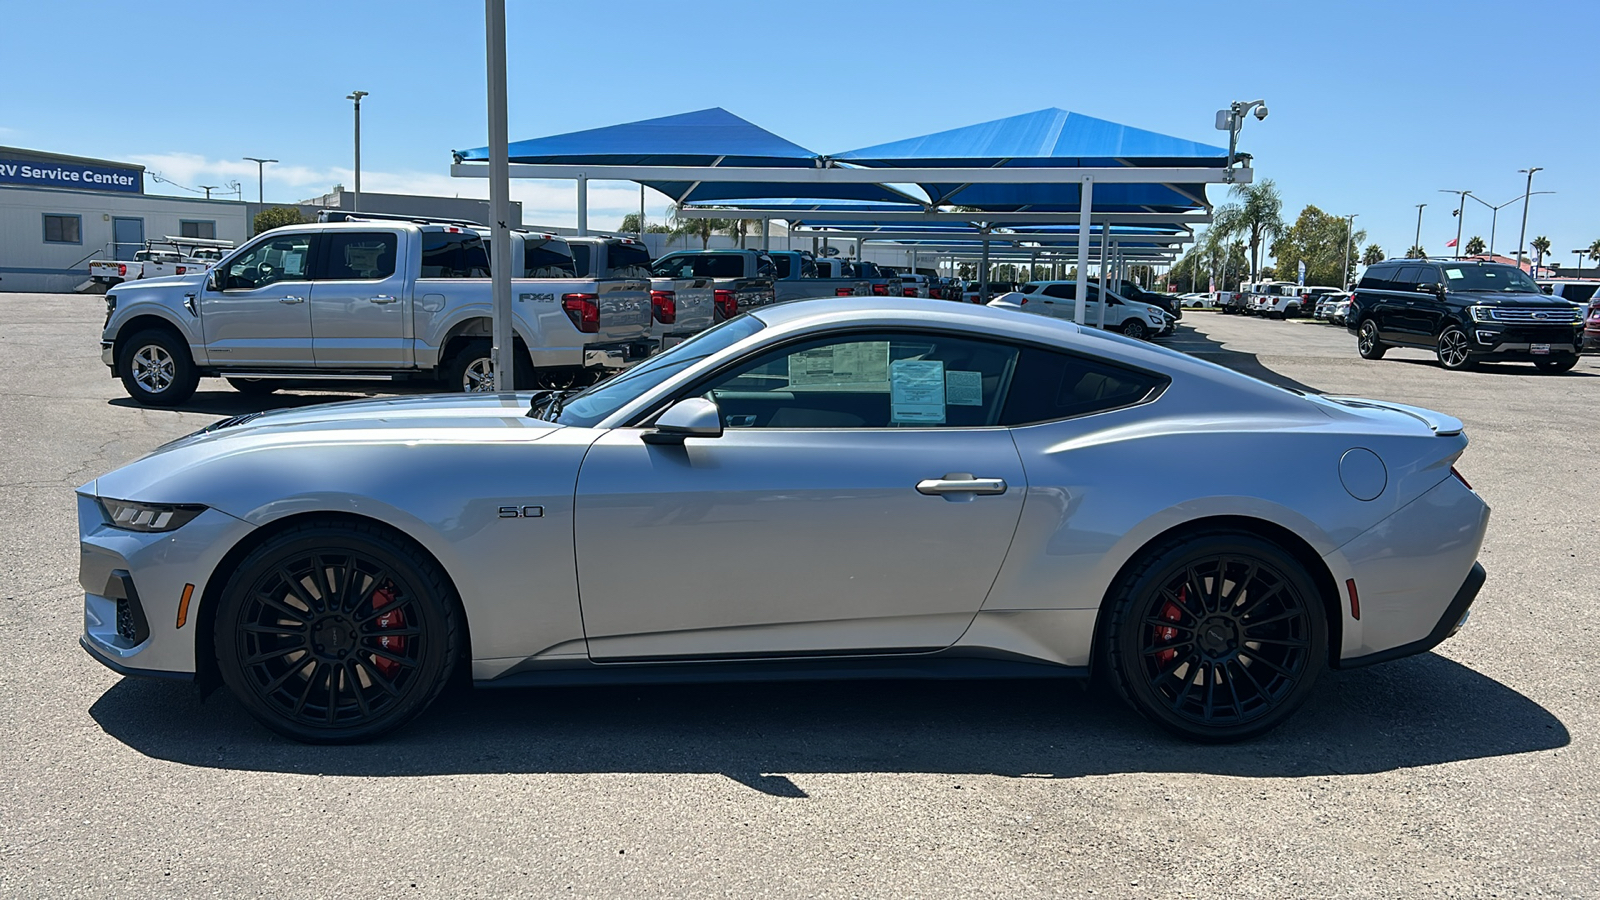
1261	113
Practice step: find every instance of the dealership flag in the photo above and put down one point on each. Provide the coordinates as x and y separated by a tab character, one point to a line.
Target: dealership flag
1450	243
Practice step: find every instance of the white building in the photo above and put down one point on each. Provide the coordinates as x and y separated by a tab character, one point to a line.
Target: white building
58	212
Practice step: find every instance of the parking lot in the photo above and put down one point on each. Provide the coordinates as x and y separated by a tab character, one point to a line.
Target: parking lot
1462	772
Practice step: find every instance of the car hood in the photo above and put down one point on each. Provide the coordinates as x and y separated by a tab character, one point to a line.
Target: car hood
188	279
403	420
1501	298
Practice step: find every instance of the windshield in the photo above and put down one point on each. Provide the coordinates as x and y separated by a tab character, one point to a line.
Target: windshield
1508	279
608	396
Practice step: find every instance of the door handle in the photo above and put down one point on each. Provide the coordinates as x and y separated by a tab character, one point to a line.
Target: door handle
382	298
291	299
961	483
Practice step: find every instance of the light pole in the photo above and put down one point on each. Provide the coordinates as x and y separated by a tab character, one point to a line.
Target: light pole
1418	242
1460	208
1525	195
1577	267
261	165
356	96
1349	230
1232	119
208	188
503	338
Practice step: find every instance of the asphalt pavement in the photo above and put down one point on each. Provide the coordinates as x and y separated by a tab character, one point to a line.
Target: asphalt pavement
1466	772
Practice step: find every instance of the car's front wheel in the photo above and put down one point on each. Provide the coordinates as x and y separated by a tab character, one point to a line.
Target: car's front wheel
1217	636
1367	343
335	632
156	369
1454	350
470	369
1135	329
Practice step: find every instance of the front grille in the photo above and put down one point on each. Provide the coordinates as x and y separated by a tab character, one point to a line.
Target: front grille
125	626
1539	315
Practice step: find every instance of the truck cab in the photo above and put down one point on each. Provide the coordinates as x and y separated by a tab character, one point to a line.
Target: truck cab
741	279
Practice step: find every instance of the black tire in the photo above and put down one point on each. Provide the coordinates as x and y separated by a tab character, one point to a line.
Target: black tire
1557	365
1367	343
253	387
1135	329
156	369
467	369
1227	612
1454	349
308	599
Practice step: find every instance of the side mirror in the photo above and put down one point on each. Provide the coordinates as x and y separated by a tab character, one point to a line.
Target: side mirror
1431	288
213	280
689	417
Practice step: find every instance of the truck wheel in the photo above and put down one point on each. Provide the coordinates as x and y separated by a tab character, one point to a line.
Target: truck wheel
471	371
253	387
1367	343
156	369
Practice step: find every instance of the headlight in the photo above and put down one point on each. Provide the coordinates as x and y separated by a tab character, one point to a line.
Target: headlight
148	517
1481	313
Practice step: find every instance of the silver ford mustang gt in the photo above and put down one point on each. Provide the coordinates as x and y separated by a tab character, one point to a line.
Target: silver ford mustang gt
863	487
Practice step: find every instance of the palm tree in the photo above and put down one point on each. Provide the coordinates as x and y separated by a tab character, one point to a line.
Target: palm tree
700	228
1475	245
1541	246
1373	254
1258	217
1594	251
737	228
1416	252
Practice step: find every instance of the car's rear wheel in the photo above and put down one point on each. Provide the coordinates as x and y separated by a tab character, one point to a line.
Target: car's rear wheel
335	632
1135	329
156	369
1216	637
1367	343
1558	365
1454	350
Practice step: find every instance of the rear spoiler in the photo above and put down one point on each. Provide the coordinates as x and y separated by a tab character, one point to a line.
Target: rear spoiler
1442	425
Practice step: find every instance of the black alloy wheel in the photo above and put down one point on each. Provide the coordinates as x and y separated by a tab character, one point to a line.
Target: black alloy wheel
1455	349
1217	637
1367	343
1557	365
1135	329
334	633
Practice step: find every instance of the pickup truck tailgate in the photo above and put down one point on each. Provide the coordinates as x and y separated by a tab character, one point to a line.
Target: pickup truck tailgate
624	309
695	299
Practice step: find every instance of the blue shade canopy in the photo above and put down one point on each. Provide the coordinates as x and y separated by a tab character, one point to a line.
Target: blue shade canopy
1050	138
706	137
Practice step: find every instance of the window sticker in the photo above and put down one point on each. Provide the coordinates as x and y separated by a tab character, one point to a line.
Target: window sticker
963	388
865	362
1453	274
292	262
916	392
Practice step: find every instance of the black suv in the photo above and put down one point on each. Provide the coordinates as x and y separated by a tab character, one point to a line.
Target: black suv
1466	312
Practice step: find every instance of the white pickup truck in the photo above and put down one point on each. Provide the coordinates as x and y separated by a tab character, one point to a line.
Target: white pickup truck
158	259
679	307
369	299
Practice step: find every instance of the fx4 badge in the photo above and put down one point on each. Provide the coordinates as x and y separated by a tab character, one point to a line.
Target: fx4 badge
536	298
521	512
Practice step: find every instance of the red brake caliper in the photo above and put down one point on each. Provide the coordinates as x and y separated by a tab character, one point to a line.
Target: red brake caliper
389	621
1166	634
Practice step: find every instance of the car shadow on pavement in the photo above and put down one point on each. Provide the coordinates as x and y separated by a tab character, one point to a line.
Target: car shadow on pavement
232	403
1201	346
1419	711
1500	368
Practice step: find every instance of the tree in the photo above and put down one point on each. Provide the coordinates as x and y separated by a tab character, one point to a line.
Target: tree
1475	245
1257	216
1321	241
1373	254
1541	246
630	225
700	228
737	228
1594	251
277	217
1416	252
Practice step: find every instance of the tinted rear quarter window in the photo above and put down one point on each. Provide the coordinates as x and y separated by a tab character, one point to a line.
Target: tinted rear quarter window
1406	278
784	265
547	259
581	259
1050	385
453	255
627	260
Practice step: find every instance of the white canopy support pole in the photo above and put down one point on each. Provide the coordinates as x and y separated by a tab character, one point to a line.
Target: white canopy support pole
766	234
1107	261
583	206
913	262
503	353
983	269
1085	205
641	213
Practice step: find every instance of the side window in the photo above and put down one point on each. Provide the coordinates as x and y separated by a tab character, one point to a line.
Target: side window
546	259
358	256
284	258
764	267
869	381
581	257
1429	275
1052	385
673	267
1028	288
1061	291
808	268
1407	278
1377	278
456	254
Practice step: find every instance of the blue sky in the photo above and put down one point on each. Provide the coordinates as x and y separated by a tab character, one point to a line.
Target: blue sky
1375	107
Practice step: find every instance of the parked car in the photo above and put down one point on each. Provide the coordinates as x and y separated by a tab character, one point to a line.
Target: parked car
1341	312
334	566
1576	291
157	259
741	279
914	286
679	307
1197	300
1327	302
1055	299
800	275
1465	311
1591	328
969	292
364	298
1134	292
1236	302
1277	300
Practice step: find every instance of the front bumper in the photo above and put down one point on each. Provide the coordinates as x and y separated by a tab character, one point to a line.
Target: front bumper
108	354
1516	342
